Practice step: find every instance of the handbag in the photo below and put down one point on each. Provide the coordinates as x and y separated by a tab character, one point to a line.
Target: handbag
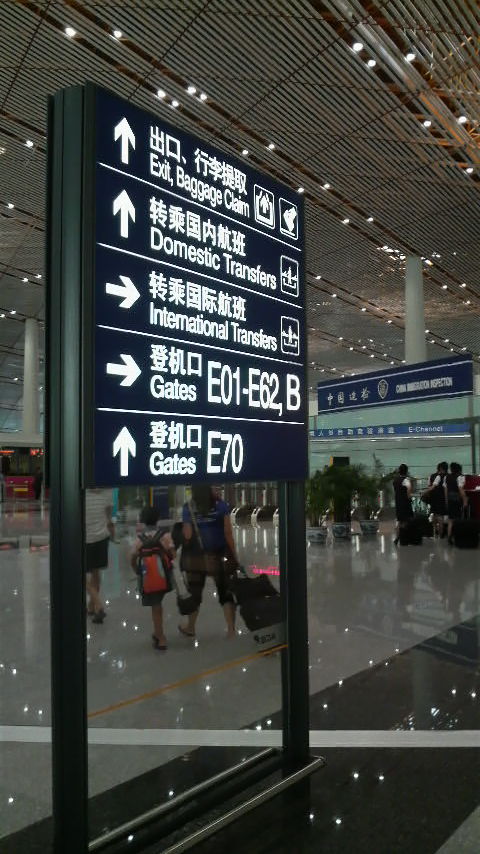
186	603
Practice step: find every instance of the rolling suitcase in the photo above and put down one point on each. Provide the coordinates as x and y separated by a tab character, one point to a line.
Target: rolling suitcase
411	534
465	532
260	608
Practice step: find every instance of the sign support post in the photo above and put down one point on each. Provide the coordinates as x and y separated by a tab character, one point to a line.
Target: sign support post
64	449
293	588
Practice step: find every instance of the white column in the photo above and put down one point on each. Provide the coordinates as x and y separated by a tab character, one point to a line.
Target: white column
31	409
415	343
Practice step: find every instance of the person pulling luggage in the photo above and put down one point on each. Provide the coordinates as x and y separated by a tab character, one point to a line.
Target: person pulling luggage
455	496
208	550
402	486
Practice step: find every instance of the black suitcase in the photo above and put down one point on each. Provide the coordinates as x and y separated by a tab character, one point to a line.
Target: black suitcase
422	522
410	534
258	600
465	533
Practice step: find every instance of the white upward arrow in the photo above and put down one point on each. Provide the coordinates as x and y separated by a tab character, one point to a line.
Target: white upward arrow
129	370
123	205
124	445
127	291
124	132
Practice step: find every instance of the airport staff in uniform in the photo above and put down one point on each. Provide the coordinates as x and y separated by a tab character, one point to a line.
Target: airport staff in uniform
402	486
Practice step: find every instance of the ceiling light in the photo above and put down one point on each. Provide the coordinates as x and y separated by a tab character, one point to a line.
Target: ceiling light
427	123
2	149
372	63
357	47
245	152
427	331
10	206
175	103
29	143
432	341
392	363
24	279
372	356
364	309
301	190
345	221
444	287
410	57
370	219
446	341
469	170
350	348
70	32
334	296
13	311
340	337
326	186
117	34
191	90
15	379
203	96
271	146
389	321
430	263
467	302
463	285
2	315
161	94
461	120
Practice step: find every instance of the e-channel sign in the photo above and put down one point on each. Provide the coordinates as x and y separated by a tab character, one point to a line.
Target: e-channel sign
199	310
442	378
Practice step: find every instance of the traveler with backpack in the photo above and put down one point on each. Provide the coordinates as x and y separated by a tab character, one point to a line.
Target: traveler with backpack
208	550
152	559
455	496
402	486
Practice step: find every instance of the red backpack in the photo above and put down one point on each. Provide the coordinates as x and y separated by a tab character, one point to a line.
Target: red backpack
154	564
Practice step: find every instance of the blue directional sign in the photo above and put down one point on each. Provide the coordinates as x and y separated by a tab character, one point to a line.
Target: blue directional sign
199	310
392	431
451	377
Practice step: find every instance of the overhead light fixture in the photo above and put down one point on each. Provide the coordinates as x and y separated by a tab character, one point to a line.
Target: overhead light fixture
10	206
191	90
161	94
175	104
318	277
203	96
340	337
117	34
29	143
410	57
13	311
427	123
370	219
357	47
469	170
372	356
444	287
463	285
334	296
345	221
427	331
350	348
461	120
326	186
70	32
301	190
467	302
364	309
446	340
24	279
38	276
245	152
372	63
271	146
389	321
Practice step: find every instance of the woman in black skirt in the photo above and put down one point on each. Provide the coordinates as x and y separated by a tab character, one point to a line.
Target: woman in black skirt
402	486
455	496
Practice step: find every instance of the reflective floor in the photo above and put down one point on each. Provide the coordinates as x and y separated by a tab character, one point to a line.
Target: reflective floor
394	650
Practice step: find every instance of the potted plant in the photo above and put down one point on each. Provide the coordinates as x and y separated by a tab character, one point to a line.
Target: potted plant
317	502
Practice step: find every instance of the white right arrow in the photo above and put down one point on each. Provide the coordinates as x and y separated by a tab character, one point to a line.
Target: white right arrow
129	370
124	445
124	132
126	290
123	205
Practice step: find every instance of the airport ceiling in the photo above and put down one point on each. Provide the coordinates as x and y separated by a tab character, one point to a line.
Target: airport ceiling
372	108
